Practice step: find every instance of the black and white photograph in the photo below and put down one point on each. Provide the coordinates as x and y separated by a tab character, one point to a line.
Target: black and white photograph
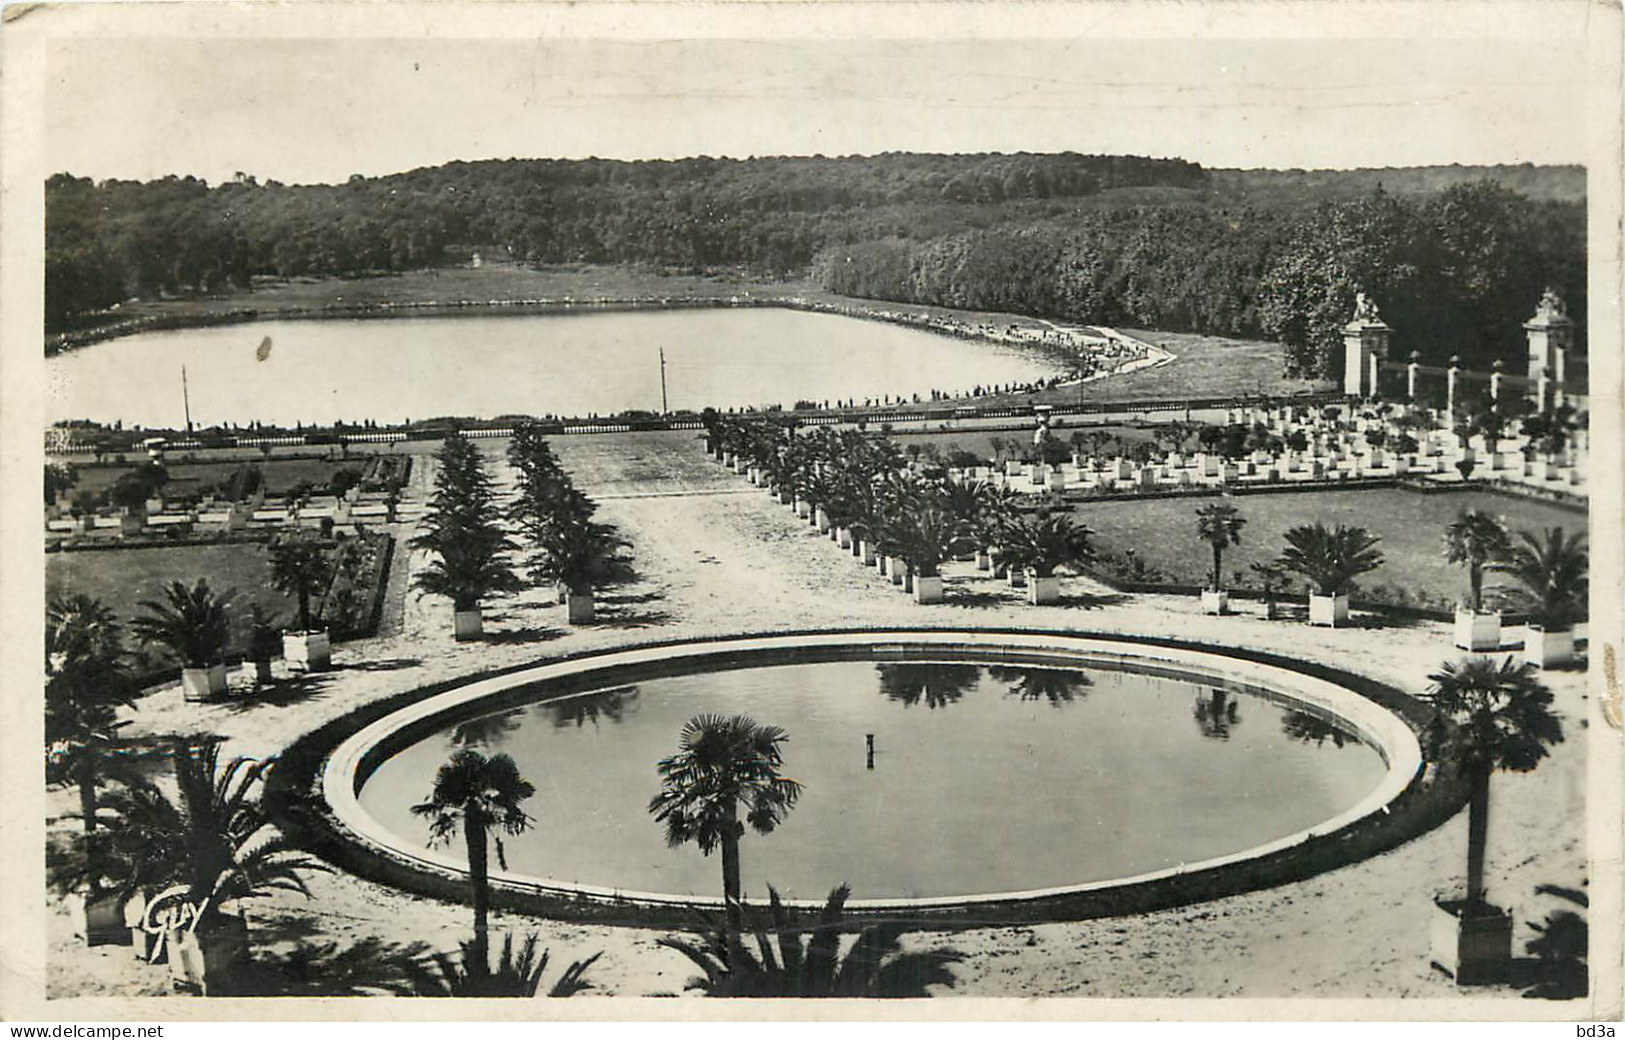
961	502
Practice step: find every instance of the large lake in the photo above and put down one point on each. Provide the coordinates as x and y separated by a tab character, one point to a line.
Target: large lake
985	779
318	371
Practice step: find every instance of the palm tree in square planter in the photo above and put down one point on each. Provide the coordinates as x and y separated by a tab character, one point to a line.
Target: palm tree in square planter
195	625
1476	539
927	535
1041	546
1493	716
300	568
86	684
1330	559
1219	525
1553	570
482	796
210	846
264	642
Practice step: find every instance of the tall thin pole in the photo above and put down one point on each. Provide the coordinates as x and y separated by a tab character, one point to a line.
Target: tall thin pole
663	409
186	398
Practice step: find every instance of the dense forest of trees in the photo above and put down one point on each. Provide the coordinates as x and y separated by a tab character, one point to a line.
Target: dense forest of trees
1108	239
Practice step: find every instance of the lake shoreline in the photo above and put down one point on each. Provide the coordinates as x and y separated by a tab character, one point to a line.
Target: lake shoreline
1064	347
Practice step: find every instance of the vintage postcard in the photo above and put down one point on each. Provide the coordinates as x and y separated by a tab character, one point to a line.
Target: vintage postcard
672	505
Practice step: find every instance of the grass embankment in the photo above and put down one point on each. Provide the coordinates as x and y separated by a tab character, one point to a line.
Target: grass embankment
1206	365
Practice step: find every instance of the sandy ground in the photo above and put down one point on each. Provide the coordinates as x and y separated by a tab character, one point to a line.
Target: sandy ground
1357	932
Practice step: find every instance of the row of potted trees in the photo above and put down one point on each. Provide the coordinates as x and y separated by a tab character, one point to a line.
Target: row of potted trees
470	548
904	518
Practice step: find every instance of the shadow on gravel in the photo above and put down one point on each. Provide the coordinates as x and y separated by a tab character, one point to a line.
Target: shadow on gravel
515	636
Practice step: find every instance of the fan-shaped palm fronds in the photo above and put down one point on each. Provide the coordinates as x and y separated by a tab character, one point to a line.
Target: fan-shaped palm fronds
1493	716
477	793
193	623
784	965
516	974
1476	539
723	764
936	685
1219	525
1331	558
1554	572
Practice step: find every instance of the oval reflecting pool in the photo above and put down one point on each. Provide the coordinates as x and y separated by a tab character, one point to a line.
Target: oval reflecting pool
985	778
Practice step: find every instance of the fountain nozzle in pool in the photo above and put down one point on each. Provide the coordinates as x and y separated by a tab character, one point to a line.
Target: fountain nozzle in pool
869	739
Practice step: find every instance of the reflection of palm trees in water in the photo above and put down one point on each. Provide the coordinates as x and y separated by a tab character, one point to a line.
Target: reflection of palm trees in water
1216	714
936	685
1301	725
606	705
487	731
1056	685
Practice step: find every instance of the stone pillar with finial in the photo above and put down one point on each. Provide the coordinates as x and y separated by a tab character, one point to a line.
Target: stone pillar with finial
1550	334
1365	344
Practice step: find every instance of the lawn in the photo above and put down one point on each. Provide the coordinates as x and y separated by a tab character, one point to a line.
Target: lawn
1162	532
122	578
188	479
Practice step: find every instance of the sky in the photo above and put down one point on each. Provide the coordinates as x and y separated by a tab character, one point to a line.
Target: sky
319	110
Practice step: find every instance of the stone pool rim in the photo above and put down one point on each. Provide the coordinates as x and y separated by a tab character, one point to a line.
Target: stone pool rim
408	864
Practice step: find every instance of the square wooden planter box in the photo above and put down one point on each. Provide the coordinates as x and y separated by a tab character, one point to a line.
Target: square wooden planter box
928	590
1548	647
1041	591
203	684
1478	631
467	625
1329	611
1472	943
307	651
1215	601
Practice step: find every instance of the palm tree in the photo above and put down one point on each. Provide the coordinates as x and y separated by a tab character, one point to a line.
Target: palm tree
1492	716
1219	525
477	793
1476	538
723	763
873	966
194	624
1553	570
86	685
1331	560
300	568
517	974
